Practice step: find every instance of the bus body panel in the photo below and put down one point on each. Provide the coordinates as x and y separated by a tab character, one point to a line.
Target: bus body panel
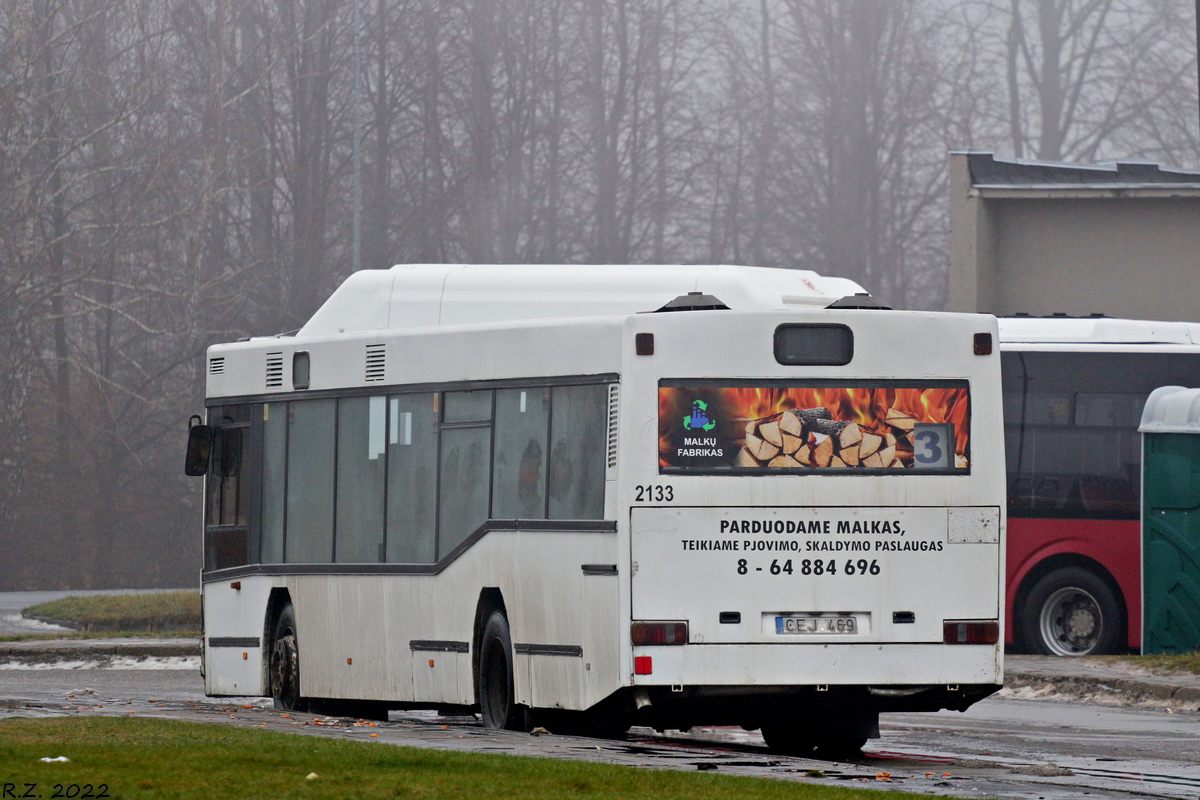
948	337
1113	543
670	583
377	634
913	571
824	665
233	620
450	354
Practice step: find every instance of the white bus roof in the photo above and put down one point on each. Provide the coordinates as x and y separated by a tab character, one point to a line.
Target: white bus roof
424	295
1171	409
1096	330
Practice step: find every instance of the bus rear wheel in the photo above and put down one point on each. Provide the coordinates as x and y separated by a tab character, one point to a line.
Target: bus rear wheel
1071	612
788	739
832	735
284	669
497	704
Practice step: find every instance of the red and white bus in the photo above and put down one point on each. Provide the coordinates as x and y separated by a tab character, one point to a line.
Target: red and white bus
1073	395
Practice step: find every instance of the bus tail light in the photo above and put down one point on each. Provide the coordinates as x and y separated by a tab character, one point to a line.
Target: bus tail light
970	631
649	633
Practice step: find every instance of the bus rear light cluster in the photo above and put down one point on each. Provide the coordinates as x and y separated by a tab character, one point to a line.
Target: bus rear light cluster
651	633
970	631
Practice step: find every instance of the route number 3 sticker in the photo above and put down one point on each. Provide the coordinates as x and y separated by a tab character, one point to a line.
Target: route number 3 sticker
933	445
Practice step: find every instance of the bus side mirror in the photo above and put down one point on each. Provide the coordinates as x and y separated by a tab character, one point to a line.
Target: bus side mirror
199	448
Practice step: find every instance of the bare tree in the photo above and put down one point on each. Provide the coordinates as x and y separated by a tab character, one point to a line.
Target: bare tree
1081	75
864	142
178	173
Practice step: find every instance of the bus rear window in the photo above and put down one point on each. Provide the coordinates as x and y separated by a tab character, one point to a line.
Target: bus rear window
846	427
807	345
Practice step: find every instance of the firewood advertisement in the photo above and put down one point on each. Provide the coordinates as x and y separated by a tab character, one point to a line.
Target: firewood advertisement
846	427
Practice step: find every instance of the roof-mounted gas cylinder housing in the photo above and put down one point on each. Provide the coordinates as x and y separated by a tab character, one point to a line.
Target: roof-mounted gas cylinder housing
424	295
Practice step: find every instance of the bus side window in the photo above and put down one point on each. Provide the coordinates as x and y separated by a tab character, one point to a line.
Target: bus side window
412	479
274	470
466	463
578	423
226	540
519	463
310	463
360	479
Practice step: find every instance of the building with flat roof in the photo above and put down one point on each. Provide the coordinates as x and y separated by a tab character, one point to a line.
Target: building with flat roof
1117	238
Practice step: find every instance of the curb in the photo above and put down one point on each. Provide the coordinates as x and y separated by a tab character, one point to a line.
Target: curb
1126	691
49	652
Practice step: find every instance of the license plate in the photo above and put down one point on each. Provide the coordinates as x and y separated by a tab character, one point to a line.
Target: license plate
814	624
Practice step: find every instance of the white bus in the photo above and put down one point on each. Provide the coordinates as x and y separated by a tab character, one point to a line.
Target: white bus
662	496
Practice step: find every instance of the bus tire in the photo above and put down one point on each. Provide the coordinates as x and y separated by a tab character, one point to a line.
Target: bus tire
788	739
284	667
609	727
497	705
841	746
1071	612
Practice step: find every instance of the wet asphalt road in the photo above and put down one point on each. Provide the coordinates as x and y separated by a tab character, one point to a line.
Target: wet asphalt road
1002	747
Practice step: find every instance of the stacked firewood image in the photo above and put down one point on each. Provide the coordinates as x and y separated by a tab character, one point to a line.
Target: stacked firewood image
811	437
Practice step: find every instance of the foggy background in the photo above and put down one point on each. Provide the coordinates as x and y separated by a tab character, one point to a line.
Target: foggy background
175	173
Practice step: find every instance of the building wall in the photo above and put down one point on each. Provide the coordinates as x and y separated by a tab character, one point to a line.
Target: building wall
1123	253
1120	257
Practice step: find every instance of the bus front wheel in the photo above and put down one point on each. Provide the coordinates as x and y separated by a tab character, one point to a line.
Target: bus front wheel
497	703
284	668
1071	612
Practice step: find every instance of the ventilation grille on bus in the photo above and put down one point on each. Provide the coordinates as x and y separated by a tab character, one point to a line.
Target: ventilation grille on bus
375	362
216	365
274	370
612	424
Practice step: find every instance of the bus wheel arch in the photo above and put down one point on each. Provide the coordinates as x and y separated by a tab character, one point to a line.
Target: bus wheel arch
278	598
496	687
494	664
1070	605
283	656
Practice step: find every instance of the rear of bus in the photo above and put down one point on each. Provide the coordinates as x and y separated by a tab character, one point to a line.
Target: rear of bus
816	519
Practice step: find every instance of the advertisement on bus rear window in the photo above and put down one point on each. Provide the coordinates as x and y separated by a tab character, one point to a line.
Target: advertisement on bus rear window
847	427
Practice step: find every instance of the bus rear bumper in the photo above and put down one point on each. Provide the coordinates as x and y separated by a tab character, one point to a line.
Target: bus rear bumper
879	665
684	707
749	685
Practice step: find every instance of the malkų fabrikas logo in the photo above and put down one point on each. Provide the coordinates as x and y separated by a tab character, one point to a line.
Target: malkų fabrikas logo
699	419
699	446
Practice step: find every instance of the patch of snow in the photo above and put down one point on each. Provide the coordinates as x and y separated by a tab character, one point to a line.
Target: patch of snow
17	621
115	662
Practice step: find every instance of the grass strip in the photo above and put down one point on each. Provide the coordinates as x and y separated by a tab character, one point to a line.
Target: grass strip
39	637
146	611
1165	663
148	758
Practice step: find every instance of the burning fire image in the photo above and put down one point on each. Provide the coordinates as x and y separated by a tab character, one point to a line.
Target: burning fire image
820	427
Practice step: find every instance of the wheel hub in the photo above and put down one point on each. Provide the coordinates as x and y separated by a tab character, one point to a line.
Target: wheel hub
284	667
1080	623
1071	622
